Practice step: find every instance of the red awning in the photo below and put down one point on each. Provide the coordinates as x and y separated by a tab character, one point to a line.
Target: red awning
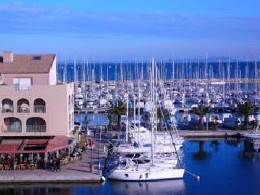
48	145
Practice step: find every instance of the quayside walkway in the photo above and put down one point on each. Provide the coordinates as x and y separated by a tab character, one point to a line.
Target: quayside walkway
210	133
86	170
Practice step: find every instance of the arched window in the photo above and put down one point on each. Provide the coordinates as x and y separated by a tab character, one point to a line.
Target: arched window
23	106
7	105
35	124
39	105
11	124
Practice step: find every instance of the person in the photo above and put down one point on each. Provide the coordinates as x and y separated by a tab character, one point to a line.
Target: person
25	162
58	164
54	165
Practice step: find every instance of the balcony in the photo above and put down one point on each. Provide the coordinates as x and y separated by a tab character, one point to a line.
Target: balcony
7	106
18	87
35	128
10	129
39	108
7	110
22	109
23	106
11	125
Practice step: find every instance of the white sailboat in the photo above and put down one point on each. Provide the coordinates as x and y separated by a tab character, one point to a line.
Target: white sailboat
157	167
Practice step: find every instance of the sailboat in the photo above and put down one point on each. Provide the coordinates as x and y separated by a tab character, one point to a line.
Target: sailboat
149	167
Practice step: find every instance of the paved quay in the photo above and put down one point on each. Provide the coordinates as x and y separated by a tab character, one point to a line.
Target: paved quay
210	133
81	171
43	176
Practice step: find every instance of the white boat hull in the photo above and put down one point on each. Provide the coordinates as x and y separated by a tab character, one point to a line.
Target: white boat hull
146	173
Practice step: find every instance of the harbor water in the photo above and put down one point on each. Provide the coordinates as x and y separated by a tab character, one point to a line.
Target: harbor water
223	165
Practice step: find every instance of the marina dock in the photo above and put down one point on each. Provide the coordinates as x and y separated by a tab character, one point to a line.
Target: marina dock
44	176
210	134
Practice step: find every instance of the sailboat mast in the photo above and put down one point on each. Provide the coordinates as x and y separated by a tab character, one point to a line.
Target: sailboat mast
127	122
65	72
107	76
153	111
75	71
139	113
84	75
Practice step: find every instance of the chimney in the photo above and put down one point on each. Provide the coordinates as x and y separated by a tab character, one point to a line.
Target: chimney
8	56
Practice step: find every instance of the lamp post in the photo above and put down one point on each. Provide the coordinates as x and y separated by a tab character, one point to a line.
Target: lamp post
207	121
100	131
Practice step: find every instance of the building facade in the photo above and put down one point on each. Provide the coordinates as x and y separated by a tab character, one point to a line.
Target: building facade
32	103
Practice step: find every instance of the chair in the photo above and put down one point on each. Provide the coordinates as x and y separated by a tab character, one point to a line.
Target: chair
7	167
23	167
17	167
32	166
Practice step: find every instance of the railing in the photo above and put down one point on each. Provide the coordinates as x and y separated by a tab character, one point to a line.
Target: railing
22	109
39	108
36	128
10	129
22	87
6	110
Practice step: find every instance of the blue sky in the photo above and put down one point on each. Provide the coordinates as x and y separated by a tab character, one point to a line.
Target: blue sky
131	29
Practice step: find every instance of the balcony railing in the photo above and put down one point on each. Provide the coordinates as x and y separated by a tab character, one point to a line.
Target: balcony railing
19	87
6	110
11	129
39	108
22	109
36	128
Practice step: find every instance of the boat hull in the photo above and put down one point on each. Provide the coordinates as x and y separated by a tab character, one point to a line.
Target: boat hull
146	174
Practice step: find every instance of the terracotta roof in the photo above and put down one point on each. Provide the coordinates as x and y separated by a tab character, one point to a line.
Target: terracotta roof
27	64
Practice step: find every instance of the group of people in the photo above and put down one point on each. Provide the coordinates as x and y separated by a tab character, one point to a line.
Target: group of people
50	164
9	162
54	164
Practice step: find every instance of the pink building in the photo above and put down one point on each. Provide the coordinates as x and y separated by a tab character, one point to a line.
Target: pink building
32	103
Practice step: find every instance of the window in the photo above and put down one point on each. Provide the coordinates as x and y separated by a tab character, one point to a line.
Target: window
37	57
22	83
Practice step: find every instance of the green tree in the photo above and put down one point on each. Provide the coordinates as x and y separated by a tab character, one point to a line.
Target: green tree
201	111
118	109
246	109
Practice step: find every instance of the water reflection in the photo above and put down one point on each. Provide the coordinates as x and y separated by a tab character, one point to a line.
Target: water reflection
215	144
233	142
47	189
249	153
156	187
201	154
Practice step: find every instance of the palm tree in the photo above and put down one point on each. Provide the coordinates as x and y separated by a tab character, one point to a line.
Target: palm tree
118	109
246	109
201	111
